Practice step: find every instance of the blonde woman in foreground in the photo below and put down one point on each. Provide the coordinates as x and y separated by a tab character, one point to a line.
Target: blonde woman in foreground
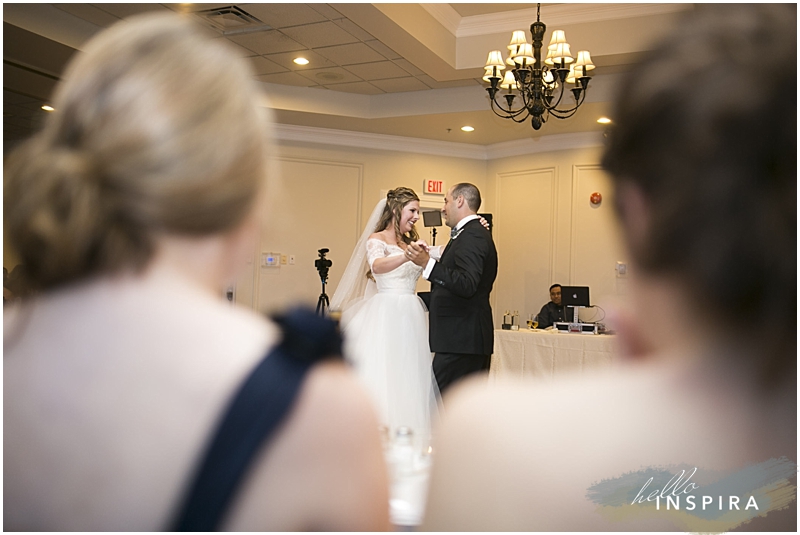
703	158
131	209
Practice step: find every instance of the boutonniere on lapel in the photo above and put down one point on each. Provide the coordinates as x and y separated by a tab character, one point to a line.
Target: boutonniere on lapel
454	233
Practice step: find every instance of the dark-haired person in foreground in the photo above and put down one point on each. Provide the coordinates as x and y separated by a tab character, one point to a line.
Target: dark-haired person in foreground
703	158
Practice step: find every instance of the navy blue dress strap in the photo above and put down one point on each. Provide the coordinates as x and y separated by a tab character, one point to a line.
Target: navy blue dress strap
259	406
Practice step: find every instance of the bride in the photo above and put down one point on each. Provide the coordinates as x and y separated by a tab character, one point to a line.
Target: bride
384	322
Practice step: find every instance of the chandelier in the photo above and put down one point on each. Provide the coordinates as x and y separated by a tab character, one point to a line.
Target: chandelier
535	83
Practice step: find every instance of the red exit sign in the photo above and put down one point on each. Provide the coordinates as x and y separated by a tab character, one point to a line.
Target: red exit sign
434	186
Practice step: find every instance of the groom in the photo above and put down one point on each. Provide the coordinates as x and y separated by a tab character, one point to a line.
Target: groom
461	327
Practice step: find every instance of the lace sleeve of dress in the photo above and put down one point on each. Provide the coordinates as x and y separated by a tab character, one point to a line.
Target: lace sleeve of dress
375	249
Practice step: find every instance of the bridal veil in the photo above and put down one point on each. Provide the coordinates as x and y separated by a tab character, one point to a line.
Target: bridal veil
354	284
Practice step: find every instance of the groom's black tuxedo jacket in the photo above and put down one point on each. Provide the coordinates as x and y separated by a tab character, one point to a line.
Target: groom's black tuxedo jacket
460	314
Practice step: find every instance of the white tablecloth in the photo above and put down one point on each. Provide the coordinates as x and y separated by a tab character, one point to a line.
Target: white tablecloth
546	354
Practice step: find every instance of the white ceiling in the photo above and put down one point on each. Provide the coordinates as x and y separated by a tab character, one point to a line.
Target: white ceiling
410	70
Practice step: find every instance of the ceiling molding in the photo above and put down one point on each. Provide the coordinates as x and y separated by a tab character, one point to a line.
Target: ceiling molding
397	105
345	138
445	15
330	102
373	19
542	144
557	15
50	22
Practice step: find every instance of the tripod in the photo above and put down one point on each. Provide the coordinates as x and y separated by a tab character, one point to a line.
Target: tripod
323	303
323	264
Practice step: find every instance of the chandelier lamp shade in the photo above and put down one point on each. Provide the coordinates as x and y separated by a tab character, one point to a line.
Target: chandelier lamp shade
535	88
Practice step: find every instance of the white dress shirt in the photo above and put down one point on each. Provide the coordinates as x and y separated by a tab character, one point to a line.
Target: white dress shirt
436	251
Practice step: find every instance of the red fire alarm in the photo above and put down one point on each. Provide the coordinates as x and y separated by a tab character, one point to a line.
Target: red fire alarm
595	198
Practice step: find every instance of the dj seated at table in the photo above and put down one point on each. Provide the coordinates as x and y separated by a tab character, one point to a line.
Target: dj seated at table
553	310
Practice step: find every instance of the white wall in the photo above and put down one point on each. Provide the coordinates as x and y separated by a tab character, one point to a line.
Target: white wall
316	206
547	231
525	238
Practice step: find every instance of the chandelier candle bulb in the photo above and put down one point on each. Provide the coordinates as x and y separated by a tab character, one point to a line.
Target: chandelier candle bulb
489	74
571	75
517	38
494	64
517	41
561	54
550	55
585	60
524	55
509	82
557	38
495	59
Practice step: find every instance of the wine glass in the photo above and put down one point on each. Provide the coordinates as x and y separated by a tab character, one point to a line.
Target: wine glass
533	321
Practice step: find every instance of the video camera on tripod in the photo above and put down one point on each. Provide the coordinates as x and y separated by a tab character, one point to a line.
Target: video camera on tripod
323	265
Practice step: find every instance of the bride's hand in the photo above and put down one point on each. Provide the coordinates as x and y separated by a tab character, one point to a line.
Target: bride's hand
484	223
423	245
418	253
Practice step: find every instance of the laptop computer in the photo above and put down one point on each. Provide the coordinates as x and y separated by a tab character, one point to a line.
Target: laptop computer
575	296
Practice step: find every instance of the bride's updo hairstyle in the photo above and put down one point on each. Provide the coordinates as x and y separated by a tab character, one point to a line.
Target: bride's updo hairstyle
396	200
156	131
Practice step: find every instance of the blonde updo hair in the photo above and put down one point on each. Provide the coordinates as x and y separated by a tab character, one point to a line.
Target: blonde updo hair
156	131
396	200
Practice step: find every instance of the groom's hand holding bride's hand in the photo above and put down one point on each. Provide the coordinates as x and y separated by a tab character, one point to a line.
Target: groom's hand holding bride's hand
417	252
424	245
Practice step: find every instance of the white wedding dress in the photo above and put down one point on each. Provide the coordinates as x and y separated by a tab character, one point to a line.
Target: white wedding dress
386	338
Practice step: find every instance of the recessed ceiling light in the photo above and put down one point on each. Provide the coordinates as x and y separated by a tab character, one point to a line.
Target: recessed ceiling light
301	61
48	108
604	120
467	128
